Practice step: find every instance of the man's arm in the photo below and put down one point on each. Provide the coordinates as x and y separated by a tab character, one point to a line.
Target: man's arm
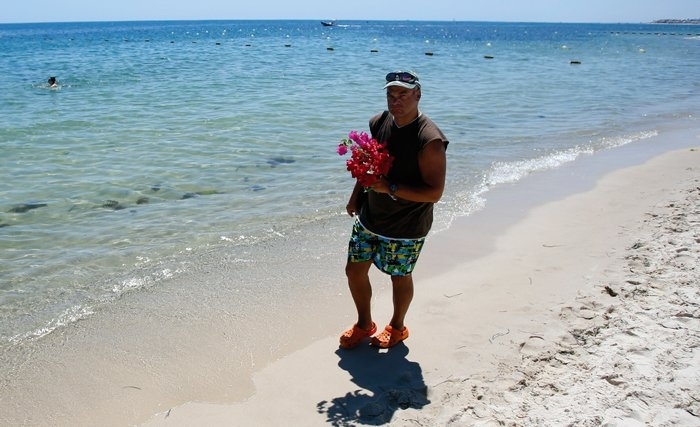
353	207
432	162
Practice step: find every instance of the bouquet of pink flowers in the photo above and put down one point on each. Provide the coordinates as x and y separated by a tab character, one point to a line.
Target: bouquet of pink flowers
369	159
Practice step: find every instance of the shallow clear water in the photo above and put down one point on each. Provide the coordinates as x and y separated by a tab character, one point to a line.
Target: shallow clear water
168	145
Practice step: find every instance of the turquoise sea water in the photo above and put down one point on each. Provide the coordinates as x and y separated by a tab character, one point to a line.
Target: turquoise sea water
170	148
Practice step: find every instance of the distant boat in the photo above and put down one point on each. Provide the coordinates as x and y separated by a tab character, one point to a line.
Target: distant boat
328	23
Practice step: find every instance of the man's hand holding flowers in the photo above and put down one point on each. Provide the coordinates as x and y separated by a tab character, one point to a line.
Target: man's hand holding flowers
369	160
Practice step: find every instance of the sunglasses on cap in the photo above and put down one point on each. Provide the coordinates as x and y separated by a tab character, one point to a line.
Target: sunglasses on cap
402	76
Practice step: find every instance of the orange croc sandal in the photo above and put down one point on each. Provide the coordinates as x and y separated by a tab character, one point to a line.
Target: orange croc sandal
354	336
389	337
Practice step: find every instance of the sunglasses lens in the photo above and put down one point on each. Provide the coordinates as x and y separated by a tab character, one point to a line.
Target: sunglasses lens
402	77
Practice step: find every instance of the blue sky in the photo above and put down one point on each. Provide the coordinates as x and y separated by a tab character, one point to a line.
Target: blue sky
461	10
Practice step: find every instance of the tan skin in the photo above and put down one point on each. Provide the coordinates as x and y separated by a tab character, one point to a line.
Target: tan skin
403	106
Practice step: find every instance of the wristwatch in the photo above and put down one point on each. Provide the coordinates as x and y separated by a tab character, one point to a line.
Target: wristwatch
393	188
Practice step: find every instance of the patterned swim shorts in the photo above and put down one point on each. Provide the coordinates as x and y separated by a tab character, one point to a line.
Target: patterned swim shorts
396	257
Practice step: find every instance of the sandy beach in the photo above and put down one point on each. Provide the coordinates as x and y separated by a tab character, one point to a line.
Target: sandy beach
571	299
584	311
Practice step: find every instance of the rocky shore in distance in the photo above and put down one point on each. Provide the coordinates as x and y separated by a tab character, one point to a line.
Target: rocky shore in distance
677	21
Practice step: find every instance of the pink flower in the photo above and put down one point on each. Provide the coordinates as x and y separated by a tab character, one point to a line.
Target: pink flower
369	159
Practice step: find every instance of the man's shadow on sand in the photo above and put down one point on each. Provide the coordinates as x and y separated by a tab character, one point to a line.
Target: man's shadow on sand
387	382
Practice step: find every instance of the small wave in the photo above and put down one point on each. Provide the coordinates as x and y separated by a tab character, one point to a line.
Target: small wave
135	283
83	311
469	201
500	173
69	316
619	141
509	172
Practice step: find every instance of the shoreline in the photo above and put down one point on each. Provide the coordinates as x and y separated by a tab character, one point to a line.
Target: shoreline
483	287
515	335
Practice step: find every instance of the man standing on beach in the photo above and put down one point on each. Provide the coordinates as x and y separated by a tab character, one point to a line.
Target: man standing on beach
395	217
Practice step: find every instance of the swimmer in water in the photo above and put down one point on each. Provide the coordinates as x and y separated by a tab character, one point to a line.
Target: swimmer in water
52	82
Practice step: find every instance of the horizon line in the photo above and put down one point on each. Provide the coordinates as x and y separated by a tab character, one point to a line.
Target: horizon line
690	21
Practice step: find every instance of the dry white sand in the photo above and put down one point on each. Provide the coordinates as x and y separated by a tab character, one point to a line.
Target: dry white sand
586	312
